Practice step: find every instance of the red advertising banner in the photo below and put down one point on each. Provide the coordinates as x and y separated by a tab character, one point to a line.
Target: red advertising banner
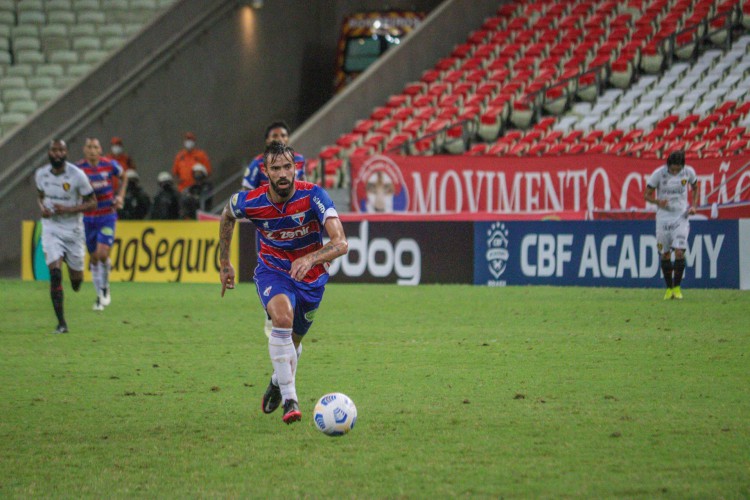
550	186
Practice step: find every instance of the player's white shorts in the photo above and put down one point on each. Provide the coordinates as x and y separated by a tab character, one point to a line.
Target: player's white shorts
69	245
672	235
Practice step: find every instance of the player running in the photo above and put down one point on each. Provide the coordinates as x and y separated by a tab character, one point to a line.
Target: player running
292	269
100	222
64	193
254	177
671	182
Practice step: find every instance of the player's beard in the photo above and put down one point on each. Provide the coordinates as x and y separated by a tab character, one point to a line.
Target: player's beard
282	191
57	162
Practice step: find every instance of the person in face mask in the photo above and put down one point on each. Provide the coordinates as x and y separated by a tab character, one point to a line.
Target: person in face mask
117	153
182	169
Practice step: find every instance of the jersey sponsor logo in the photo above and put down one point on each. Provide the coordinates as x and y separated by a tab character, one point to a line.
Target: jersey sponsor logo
99	184
319	204
379	258
108	231
288	234
310	315
497	249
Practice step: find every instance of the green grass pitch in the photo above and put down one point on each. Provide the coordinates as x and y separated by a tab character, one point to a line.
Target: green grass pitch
519	392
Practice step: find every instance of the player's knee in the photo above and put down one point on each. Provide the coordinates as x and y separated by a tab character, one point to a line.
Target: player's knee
282	321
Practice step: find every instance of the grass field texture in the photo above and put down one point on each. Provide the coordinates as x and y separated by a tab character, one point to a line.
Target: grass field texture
519	392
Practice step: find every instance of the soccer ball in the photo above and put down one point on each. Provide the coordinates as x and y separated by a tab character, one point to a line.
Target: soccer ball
335	414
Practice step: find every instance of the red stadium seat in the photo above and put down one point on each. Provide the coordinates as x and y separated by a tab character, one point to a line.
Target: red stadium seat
613	137
398	100
491	122
381	113
478	149
538	149
403	114
329	152
558	149
522	113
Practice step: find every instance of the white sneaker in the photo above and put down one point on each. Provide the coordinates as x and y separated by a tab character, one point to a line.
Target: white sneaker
98	305
105	298
268	327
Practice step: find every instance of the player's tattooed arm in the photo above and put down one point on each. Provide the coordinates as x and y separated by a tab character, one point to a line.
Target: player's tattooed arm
226	229
336	247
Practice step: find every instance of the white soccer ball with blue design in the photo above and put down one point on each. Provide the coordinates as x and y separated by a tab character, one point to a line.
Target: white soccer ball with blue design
335	414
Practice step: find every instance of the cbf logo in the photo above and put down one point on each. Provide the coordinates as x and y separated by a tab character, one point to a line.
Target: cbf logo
497	250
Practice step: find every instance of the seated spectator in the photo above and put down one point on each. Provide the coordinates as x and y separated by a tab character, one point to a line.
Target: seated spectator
137	203
166	204
198	195
182	169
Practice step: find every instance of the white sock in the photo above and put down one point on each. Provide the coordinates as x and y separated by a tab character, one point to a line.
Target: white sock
275	378
284	360
105	267
96	276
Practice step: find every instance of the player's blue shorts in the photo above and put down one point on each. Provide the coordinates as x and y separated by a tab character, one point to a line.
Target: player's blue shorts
99	229
304	302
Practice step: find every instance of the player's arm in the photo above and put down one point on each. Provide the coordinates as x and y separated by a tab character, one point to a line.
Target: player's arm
88	204
46	212
650	197
226	230
694	187
336	247
120	199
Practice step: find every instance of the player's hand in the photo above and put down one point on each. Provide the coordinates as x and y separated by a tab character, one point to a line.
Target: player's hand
300	268
119	202
691	210
47	213
662	203
226	273
59	209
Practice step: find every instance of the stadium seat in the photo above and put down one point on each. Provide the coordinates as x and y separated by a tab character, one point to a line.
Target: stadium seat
522	114
455	141
491	122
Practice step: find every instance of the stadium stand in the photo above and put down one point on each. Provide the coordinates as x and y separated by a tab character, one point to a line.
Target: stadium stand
48	45
636	78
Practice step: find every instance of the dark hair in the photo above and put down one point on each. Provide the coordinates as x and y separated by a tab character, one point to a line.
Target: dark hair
274	149
276	124
676	158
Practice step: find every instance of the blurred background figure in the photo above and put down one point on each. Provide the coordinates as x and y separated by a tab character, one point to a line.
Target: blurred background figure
117	152
182	169
137	203
197	196
166	204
